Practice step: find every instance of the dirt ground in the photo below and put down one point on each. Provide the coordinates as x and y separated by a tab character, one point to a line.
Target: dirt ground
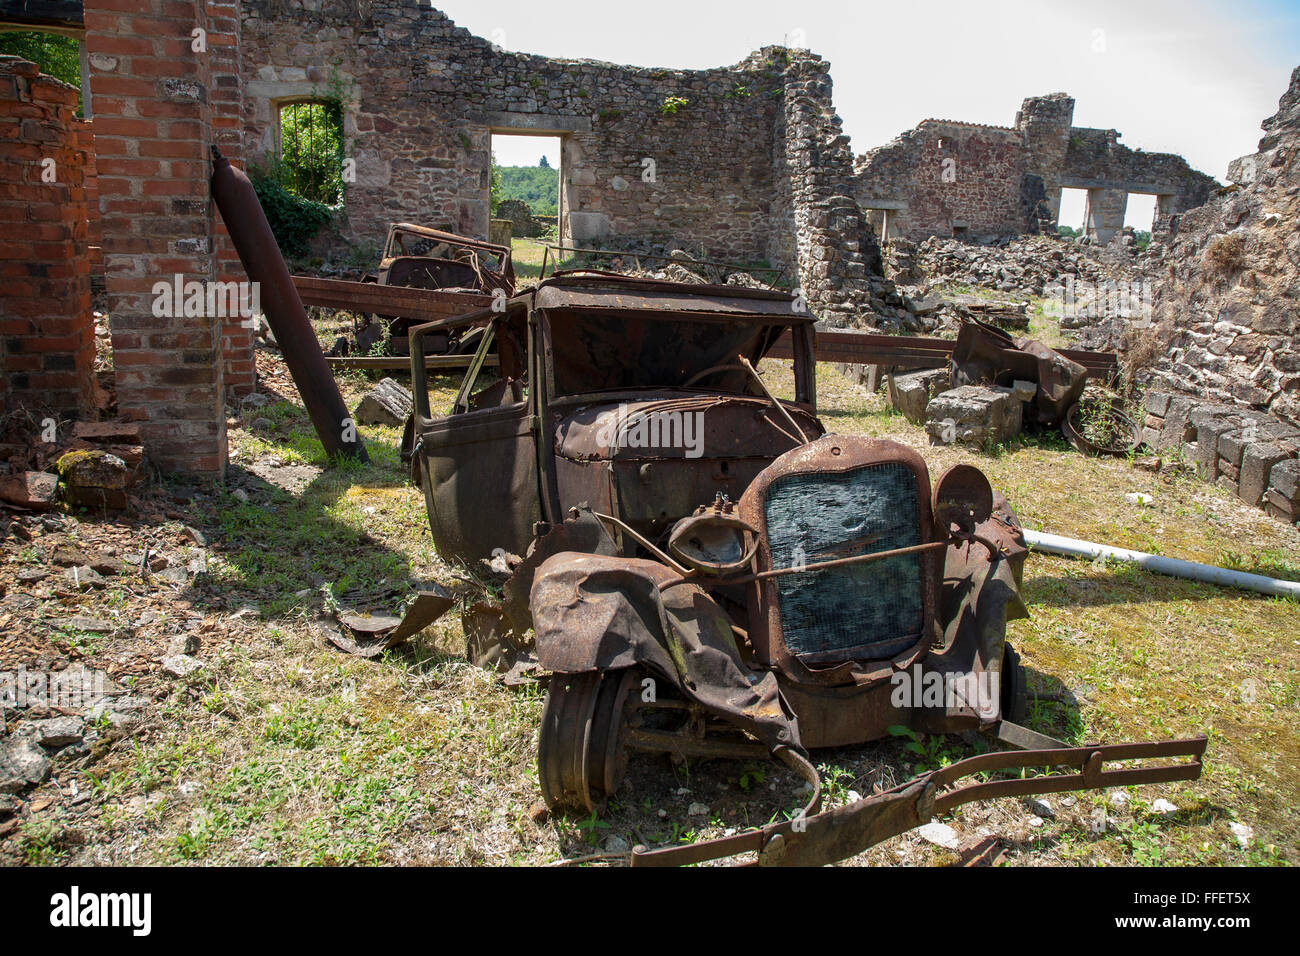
233	732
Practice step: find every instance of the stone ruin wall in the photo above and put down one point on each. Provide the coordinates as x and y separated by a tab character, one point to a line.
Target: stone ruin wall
1227	311
947	178
423	96
952	174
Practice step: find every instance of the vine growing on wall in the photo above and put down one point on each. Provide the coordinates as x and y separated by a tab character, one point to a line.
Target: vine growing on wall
293	219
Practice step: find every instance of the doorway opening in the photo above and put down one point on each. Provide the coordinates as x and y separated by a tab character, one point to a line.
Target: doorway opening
527	192
1071	219
1140	215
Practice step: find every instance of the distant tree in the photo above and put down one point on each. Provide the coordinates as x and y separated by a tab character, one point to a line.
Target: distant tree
536	185
57	56
495	194
544	164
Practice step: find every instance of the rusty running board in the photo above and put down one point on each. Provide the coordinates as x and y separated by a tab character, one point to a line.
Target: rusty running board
822	838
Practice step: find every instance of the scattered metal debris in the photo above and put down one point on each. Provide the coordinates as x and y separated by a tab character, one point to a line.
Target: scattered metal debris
373	634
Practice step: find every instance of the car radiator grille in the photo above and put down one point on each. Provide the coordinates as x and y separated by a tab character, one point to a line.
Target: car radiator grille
856	611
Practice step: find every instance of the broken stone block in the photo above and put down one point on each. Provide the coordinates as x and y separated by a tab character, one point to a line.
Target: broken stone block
84	578
1176	429
58	731
183	645
181	666
1157	403
1257	465
911	393
1285	478
91	625
1282	500
1210	424
34	490
1230	446
95	479
973	414
388	403
22	763
1024	391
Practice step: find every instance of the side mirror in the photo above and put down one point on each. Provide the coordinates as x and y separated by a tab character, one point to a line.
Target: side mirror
962	499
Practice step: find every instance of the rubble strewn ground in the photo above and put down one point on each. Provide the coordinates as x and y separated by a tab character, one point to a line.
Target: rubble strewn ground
232	732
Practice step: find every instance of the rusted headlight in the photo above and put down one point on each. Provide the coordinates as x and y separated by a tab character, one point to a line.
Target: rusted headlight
713	542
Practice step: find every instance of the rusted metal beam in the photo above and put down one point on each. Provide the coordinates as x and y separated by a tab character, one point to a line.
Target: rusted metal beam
424	305
822	838
905	351
403	362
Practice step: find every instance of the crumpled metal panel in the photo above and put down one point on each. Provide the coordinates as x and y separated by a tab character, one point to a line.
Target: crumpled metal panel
984	355
592	612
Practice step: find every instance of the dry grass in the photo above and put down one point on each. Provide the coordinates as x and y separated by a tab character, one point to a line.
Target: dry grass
1224	255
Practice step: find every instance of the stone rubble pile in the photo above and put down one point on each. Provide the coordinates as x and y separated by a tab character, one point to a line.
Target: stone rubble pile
1249	453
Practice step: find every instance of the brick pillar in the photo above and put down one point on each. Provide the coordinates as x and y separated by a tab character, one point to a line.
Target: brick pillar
225	93
153	123
47	347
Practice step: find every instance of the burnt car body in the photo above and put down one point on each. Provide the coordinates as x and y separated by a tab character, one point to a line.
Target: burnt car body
843	596
425	258
467	272
600	390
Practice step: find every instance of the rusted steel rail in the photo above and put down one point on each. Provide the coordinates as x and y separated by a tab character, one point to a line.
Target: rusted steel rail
816	839
425	305
245	220
866	348
906	351
394	363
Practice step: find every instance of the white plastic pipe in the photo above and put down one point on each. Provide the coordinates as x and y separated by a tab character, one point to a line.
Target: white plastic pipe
1074	548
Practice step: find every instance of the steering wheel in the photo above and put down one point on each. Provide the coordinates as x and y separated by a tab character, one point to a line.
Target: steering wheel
729	366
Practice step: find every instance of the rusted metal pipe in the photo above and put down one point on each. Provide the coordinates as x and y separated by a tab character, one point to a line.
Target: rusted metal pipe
260	256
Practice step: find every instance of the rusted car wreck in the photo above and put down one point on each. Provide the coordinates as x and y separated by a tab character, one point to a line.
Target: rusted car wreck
466	271
637	397
765	590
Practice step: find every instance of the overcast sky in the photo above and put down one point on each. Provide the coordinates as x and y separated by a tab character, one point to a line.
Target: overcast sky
1192	77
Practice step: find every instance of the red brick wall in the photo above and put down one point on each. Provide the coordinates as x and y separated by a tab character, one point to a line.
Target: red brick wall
225	93
47	352
152	111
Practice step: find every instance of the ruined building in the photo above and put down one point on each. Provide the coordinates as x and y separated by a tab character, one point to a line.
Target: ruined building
948	178
1228	309
747	162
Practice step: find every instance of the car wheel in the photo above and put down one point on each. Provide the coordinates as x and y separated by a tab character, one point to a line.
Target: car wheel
581	757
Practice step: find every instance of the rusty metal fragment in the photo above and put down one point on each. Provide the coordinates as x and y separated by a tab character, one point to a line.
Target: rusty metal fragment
372	634
985	355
